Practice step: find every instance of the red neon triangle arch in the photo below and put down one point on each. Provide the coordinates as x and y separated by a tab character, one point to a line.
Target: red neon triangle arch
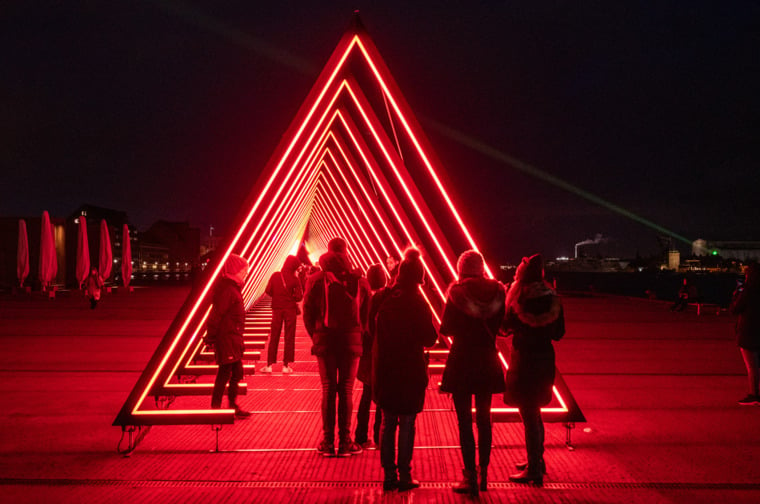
335	168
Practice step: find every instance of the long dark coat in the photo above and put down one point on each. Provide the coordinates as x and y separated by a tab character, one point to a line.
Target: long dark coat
746	304
226	322
404	328
535	320
364	374
473	312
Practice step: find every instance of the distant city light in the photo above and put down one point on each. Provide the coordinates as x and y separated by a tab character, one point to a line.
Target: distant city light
714	252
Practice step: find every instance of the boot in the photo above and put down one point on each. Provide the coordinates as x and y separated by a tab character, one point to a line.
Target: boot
527	476
390	483
469	484
241	413
406	482
521	466
483	478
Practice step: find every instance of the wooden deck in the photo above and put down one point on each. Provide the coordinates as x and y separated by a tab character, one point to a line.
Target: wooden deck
658	390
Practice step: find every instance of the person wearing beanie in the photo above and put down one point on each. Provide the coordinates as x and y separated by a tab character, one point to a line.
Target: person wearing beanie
335	307
745	305
471	318
285	290
404	327
377	279
225	332
337	245
534	317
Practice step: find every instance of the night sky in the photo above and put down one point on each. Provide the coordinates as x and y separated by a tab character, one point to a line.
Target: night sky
169	110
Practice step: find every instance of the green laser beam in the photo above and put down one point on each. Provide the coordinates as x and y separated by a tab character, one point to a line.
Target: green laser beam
194	16
496	154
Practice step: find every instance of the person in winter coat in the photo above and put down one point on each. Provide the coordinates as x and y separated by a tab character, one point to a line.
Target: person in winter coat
93	285
392	263
472	315
285	290
535	319
746	305
404	328
337	348
376	278
225	332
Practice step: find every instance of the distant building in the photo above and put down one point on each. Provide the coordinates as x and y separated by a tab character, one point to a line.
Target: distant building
674	259
170	246
740	250
115	220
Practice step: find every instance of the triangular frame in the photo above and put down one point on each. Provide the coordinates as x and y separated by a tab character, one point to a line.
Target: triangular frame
338	171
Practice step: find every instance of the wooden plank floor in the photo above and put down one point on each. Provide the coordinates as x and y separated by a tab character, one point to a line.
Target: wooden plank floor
658	389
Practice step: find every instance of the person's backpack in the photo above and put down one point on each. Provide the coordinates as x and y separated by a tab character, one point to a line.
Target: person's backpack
341	309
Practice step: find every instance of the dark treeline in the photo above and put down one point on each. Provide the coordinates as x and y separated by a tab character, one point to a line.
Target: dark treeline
712	287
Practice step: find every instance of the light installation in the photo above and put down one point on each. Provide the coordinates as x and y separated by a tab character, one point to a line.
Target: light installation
353	163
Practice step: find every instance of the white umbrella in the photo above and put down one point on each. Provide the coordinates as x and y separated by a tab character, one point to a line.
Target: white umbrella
48	259
105	256
83	252
126	257
22	255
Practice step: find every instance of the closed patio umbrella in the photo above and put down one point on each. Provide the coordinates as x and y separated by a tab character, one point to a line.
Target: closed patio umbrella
105	256
83	252
126	257
48	259
22	255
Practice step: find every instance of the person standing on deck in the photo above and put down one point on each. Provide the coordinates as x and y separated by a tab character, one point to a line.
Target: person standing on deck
285	290
335	307
225	332
472	315
746	305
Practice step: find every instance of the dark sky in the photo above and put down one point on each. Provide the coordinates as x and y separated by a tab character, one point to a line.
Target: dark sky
170	109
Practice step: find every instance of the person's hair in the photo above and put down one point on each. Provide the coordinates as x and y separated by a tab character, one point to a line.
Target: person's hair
471	264
337	245
376	277
411	271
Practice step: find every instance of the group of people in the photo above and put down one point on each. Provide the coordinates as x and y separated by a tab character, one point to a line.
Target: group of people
377	328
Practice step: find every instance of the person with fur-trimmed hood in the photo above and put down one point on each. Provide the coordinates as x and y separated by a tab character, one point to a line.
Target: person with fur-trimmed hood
337	349
535	318
472	315
225	332
404	327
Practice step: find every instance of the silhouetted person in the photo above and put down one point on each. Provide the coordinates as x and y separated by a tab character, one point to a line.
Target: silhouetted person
286	292
472	315
94	286
335	312
225	332
535	319
686	294
377	279
746	305
392	262
404	328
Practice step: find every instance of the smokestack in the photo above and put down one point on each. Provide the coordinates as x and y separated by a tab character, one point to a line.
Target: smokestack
597	239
